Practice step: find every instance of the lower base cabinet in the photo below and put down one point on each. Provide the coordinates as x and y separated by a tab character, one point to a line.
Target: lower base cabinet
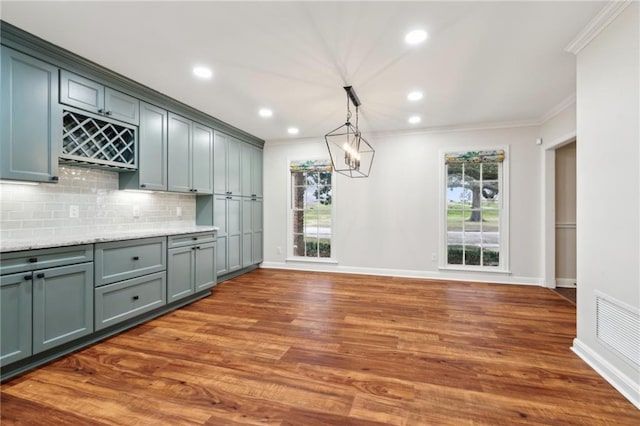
127	299
46	299
62	305
191	265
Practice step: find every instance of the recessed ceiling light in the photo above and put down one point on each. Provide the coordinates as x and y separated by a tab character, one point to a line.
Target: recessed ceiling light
293	130
415	119
415	37
202	72
265	112
414	96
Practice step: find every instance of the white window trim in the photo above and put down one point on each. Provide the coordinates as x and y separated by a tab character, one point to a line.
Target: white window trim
503	268
289	246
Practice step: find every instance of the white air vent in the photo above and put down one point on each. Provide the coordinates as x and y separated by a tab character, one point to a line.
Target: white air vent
618	327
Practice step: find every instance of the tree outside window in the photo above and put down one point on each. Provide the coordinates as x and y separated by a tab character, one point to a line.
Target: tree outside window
311	183
474	208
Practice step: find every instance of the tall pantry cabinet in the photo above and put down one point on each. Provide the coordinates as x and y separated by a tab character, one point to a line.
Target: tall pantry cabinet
236	207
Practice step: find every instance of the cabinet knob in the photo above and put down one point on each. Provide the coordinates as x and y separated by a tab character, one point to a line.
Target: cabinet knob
136	257
197	247
101	111
228	198
194	190
194	238
40	275
33	259
108	112
55	178
135	297
143	185
28	277
193	248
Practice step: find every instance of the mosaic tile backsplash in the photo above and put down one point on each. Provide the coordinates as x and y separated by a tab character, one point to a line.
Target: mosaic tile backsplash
43	210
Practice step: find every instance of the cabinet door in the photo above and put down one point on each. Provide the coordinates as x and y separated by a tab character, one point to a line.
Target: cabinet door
180	270
31	121
220	163
247	232
179	154
256	222
256	169
62	305
205	271
234	233
247	169
220	220
202	159
152	148
81	92
233	167
15	317
121	106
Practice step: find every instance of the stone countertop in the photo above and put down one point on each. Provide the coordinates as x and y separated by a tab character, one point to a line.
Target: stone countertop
73	239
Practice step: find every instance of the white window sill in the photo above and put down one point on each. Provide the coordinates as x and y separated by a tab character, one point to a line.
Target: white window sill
312	260
474	269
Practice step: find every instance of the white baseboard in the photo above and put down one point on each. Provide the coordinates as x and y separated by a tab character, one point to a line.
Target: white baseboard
566	282
469	276
629	388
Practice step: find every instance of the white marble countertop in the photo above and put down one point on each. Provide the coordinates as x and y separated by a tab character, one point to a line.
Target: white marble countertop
7	245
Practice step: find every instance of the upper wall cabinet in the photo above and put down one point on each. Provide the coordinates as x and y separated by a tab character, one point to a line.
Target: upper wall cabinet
152	152
90	96
190	156
227	168
251	171
30	123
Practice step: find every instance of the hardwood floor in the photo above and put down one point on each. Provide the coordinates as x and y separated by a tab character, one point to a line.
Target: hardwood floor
293	348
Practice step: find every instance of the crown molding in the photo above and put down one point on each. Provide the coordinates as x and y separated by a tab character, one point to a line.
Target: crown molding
608	13
564	104
420	131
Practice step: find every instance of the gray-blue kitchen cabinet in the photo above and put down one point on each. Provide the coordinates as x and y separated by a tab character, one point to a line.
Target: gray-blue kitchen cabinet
86	94
190	264
227	165
62	305
152	152
15	317
30	123
190	156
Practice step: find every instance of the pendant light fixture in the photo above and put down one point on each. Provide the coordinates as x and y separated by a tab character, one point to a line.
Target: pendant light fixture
351	154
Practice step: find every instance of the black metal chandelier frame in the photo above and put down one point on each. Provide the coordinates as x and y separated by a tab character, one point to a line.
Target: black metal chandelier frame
351	154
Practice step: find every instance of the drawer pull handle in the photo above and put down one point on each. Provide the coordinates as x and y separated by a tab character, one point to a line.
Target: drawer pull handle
33	259
28	277
55	178
136	257
194	238
136	297
197	247
40	275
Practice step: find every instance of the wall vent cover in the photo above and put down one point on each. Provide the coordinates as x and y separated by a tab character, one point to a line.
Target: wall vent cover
618	327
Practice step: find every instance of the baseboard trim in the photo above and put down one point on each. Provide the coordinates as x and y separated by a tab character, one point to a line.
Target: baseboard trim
467	276
623	384
566	282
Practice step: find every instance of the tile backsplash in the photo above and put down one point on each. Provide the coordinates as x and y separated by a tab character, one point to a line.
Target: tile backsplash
44	210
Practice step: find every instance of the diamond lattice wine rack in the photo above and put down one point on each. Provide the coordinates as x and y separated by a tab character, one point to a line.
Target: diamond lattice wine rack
91	141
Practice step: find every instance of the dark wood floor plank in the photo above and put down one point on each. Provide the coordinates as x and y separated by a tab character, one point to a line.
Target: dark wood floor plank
300	348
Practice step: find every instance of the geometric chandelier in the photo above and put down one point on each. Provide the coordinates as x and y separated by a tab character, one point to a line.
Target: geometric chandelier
351	154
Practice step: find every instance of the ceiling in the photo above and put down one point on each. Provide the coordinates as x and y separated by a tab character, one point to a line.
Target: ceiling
483	62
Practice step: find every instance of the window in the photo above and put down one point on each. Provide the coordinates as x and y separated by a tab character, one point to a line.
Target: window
311	206
476	221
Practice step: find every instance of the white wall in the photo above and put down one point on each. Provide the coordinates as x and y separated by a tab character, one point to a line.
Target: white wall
389	223
608	179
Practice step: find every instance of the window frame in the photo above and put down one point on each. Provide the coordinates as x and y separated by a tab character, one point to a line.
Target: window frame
504	264
290	257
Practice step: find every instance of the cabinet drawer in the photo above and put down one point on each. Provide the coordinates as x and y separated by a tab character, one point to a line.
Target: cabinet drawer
122	260
184	240
30	260
124	300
